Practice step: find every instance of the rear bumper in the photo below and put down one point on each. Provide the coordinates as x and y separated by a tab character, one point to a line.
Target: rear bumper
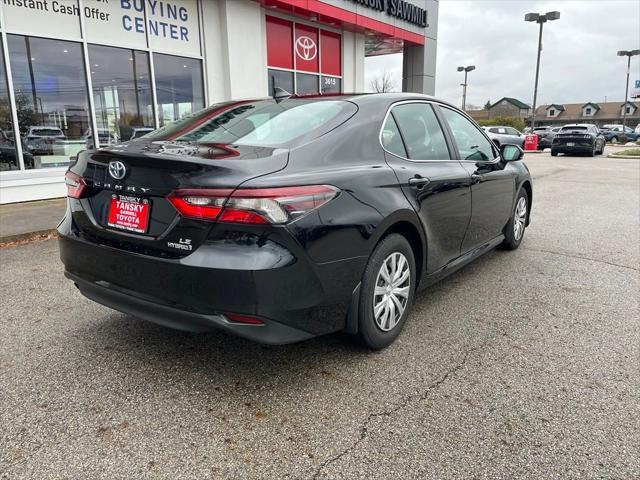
270	332
580	147
297	299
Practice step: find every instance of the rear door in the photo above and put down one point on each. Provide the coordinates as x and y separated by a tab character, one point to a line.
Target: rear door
431	178
493	186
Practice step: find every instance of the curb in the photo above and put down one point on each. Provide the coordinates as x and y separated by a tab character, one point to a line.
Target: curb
24	238
613	155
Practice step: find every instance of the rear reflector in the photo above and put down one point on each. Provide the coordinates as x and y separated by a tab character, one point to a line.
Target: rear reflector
246	319
76	186
252	206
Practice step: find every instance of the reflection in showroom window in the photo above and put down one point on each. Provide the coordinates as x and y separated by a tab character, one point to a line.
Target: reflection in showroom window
51	99
8	158
179	86
121	93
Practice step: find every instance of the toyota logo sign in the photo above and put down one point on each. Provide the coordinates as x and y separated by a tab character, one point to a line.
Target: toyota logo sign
117	169
306	48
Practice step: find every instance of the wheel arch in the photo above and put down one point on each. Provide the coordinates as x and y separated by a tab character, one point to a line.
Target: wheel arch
526	185
407	224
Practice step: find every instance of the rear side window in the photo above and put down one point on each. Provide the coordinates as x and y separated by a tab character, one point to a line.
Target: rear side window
472	144
391	139
421	132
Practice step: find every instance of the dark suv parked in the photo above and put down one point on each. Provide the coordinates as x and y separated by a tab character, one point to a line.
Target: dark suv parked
279	220
580	138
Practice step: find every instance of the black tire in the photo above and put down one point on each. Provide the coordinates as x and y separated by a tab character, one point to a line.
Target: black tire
369	333
554	153
593	151
614	140
511	242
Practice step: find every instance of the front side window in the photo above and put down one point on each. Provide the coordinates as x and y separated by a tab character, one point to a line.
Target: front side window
472	144
512	131
421	132
179	86
51	99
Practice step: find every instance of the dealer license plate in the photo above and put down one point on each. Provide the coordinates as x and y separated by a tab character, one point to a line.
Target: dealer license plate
129	213
571	144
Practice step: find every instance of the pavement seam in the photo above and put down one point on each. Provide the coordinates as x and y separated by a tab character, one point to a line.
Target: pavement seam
582	258
387	413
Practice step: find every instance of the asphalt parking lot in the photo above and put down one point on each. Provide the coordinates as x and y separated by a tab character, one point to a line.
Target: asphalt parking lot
524	364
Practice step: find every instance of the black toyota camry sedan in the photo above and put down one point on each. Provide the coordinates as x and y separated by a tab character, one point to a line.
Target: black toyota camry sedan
282	219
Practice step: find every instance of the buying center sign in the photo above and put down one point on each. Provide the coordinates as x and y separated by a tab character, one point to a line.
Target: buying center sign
171	26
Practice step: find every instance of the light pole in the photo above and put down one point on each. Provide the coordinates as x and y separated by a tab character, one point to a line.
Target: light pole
628	54
541	19
466	70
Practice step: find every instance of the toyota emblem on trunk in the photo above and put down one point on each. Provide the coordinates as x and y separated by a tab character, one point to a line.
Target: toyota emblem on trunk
306	48
117	169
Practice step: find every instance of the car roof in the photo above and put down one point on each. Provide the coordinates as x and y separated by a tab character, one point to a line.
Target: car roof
578	125
365	98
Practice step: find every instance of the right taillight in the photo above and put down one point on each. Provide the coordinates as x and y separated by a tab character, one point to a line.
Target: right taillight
76	186
252	205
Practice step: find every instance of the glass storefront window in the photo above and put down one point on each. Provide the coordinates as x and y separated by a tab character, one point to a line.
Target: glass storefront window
306	84
179	86
330	84
281	79
8	157
122	96
51	97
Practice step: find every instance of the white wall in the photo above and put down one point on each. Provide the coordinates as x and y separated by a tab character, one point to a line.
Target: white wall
235	50
352	62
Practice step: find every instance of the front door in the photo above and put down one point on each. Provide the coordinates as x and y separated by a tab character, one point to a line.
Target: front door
433	181
492	186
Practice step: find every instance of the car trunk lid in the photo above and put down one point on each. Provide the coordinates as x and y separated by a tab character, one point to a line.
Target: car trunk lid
127	206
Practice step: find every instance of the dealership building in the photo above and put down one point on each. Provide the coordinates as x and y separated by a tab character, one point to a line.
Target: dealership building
76	74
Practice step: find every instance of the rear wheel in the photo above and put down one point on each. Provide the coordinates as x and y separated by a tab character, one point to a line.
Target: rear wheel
614	139
514	231
554	153
594	150
386	296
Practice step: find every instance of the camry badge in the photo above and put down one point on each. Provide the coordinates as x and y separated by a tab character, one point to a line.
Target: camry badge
117	169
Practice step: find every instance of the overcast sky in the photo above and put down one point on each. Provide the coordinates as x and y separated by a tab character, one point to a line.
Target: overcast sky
579	61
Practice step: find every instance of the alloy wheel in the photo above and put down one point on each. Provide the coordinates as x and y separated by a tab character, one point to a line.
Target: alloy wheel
391	293
520	218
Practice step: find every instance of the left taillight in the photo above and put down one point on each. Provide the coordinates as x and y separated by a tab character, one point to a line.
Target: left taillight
76	186
252	205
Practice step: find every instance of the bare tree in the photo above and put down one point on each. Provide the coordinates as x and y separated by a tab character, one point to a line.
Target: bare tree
384	82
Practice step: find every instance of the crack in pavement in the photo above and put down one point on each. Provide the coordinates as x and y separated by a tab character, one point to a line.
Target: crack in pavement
386	413
569	255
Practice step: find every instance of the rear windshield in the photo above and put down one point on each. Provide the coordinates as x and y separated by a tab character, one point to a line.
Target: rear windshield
575	128
263	123
46	132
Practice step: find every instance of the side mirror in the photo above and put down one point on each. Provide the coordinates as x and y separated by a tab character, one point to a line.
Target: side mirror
511	153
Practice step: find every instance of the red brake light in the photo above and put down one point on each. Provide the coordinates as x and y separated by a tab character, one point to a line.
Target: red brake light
252	206
76	186
199	204
246	319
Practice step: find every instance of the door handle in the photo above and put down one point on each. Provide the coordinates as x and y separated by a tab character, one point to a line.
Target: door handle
476	178
418	181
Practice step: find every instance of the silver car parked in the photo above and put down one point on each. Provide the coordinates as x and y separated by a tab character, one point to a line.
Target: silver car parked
505	136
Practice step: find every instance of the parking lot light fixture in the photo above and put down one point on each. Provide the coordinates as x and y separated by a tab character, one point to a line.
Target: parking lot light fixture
628	54
466	70
541	19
